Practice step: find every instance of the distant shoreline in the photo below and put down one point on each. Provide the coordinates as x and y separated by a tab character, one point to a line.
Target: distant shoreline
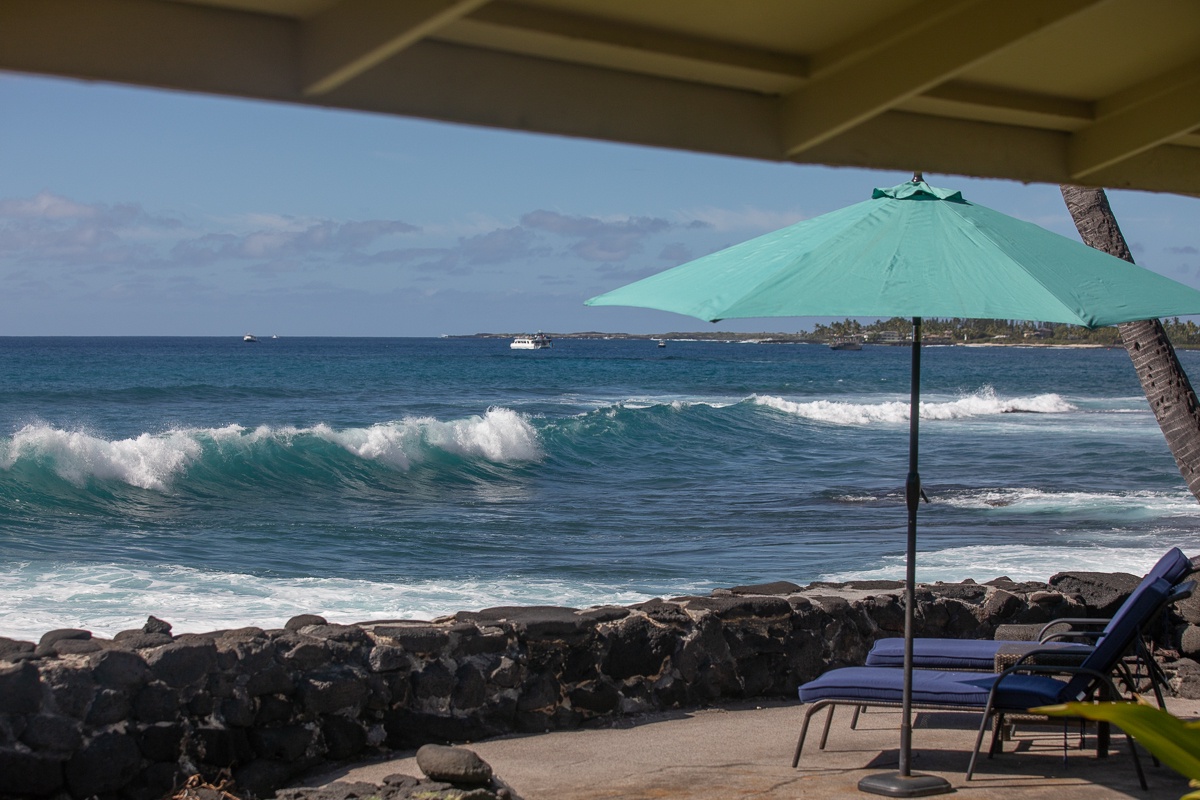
783	338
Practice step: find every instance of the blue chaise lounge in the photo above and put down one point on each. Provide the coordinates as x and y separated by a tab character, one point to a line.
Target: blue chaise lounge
980	654
1019	688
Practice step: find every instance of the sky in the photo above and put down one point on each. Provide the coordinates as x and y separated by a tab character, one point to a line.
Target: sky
128	211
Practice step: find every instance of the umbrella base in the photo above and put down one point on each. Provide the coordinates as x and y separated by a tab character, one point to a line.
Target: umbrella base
893	784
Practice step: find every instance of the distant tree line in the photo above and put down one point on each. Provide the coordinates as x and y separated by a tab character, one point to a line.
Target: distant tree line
1182	334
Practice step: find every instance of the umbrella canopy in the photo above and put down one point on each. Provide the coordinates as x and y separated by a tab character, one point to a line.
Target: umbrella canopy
912	250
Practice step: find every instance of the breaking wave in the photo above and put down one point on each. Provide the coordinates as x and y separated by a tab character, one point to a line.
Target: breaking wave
154	461
983	403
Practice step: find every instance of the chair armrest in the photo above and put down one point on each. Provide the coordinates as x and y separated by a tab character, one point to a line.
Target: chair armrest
1027	661
1105	681
1083	636
1072	621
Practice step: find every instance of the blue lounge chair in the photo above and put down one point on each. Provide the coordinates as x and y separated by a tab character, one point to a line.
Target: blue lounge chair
980	654
1017	689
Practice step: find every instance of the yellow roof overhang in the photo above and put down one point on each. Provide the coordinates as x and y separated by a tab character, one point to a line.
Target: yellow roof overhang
1100	92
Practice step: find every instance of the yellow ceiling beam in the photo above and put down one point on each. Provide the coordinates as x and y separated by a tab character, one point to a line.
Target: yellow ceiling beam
169	45
528	30
663	94
951	38
896	140
986	104
532	94
520	93
1140	118
353	36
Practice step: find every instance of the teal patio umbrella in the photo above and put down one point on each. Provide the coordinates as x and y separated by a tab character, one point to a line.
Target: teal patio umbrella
911	251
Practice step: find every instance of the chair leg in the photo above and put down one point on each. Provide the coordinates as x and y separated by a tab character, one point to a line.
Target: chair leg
854	720
987	714
825	730
803	732
997	734
1137	762
1156	678
1157	681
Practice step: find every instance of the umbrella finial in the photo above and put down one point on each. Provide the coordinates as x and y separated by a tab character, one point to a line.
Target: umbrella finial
918	177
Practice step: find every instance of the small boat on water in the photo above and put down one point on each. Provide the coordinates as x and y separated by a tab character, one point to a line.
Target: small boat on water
845	344
249	337
662	342
539	341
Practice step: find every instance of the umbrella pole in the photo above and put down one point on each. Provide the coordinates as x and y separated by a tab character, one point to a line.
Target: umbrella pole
904	783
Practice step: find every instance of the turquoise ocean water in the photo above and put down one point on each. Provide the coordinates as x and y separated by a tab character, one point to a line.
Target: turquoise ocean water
214	483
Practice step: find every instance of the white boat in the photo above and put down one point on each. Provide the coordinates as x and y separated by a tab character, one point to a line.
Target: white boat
249	337
539	341
845	344
662	343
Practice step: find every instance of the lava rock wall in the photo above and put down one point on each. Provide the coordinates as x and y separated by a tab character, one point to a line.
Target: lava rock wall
135	715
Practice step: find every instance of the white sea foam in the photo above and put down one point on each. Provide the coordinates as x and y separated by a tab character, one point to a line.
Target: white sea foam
1018	562
1149	503
107	598
676	402
154	460
836	412
983	403
501	435
148	461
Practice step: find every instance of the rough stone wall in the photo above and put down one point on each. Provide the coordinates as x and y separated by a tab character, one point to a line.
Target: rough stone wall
131	717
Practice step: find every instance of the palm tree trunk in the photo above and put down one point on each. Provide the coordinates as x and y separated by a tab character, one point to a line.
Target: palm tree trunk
1163	380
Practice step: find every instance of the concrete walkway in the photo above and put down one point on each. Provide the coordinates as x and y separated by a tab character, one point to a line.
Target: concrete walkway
746	751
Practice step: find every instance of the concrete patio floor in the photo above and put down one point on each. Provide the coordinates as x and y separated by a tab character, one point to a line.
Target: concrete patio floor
746	751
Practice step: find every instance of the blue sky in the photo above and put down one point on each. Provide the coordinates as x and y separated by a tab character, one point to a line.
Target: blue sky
137	212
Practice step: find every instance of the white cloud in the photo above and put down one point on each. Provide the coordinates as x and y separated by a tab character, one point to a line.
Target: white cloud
743	219
46	205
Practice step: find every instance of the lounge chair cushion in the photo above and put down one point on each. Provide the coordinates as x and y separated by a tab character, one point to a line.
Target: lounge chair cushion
951	654
931	688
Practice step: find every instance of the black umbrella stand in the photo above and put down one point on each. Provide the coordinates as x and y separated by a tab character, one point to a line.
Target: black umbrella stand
904	783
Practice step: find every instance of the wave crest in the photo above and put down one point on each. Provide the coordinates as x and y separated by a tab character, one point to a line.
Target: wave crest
501	435
983	403
153	461
147	461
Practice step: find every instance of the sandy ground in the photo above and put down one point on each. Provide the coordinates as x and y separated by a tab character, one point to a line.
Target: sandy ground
746	751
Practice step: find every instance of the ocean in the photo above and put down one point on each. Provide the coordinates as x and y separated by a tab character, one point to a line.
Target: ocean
215	483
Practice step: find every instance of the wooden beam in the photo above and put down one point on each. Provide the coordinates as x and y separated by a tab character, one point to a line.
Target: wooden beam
528	30
1141	118
897	140
438	80
953	38
218	51
517	93
987	104
355	35
149	43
